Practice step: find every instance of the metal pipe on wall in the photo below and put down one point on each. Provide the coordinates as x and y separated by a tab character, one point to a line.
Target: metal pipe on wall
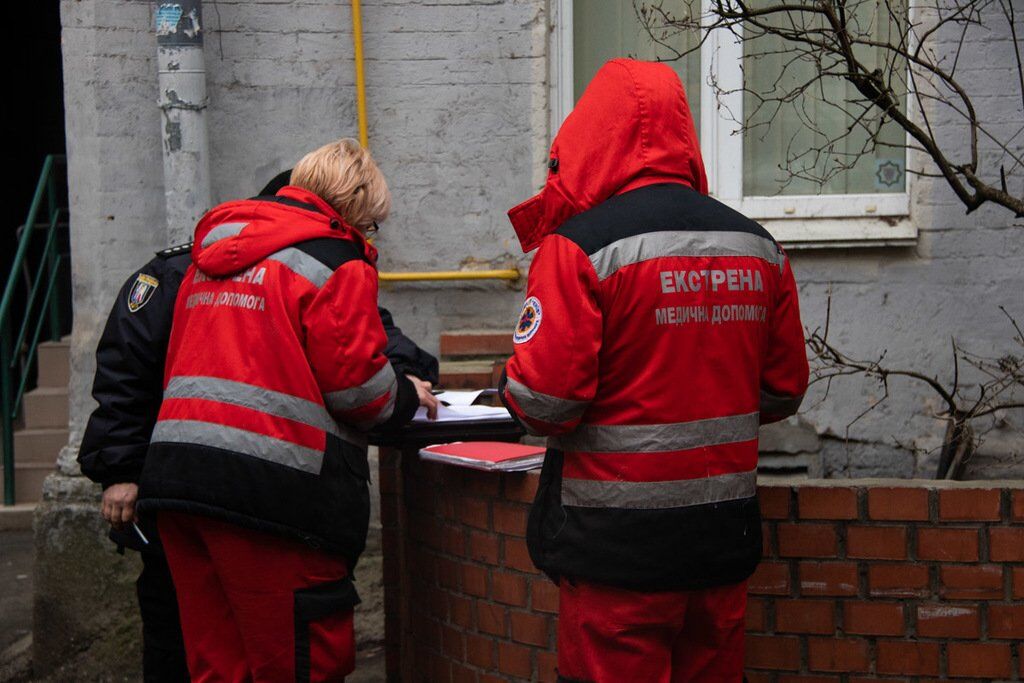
182	99
357	50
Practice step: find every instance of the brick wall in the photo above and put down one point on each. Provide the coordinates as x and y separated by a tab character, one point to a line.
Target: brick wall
866	580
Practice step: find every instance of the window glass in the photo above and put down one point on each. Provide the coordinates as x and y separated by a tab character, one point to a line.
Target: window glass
605	29
801	146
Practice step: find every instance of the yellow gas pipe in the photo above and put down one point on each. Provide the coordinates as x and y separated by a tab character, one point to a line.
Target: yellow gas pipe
364	140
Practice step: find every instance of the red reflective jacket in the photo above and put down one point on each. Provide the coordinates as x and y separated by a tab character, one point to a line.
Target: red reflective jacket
275	367
660	329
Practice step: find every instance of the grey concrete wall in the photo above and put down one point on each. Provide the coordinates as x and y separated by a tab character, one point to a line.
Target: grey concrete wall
458	105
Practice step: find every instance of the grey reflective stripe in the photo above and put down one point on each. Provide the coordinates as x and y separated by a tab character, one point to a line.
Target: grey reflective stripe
544	406
672	436
221	231
780	405
303	264
383	380
241	441
651	245
658	495
251	396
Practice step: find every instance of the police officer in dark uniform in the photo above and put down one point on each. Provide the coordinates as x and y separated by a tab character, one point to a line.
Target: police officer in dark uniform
129	387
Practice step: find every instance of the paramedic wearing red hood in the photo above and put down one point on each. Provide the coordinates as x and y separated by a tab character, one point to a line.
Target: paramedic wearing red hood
660	329
257	466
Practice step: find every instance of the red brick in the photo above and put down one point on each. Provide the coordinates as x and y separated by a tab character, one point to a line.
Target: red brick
521	487
828	578
971	582
774	501
969	504
547	667
837	654
474	580
1006	544
1018	585
451	643
876	542
460	610
544	596
490	618
773	652
907	658
943	620
480	651
474	512
510	518
804	616
447	572
898	580
758	677
947	545
517	556
814	502
529	628
978	660
514	660
476	344
477	483
757	615
767	540
809	679
898	504
454	540
1017	507
770	578
483	547
807	540
1006	621
508	589
462	674
874	618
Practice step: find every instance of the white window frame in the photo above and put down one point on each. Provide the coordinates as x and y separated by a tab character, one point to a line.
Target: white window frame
798	220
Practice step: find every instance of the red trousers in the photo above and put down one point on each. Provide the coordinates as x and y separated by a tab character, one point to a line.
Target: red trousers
257	607
608	634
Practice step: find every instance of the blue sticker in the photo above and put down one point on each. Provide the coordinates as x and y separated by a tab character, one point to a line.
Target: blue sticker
529	321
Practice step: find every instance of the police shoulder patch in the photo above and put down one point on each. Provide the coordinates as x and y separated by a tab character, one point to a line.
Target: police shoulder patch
529	321
141	291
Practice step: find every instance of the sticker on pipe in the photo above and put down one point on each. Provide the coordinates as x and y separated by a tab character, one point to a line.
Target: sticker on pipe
529	321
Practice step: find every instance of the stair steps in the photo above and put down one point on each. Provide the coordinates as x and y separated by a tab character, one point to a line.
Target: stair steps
43	427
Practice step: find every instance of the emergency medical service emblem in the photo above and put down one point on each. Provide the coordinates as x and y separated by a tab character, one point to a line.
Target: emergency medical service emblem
141	291
529	321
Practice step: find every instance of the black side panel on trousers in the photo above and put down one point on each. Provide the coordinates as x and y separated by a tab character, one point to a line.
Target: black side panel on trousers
329	511
163	649
313	604
675	549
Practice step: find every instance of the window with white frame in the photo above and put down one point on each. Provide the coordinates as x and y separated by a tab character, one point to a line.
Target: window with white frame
751	166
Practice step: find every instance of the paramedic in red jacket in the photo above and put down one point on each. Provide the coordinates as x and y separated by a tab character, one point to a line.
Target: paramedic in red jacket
660	329
257	467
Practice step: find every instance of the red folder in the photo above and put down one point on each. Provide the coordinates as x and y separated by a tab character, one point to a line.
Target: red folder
494	456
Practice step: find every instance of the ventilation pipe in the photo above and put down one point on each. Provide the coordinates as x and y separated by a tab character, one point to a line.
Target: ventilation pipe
182	82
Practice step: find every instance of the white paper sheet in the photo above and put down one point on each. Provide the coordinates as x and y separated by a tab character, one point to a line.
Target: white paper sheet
459	398
463	414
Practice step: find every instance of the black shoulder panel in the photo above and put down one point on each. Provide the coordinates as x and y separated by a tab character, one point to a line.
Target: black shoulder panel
176	250
287	201
654	208
177	258
331	252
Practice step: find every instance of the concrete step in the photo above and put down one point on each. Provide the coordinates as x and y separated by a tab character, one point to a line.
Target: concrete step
39	446
470	374
15	517
54	363
28	481
482	344
46	407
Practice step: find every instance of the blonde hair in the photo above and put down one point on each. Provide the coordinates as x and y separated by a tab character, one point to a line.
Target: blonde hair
345	176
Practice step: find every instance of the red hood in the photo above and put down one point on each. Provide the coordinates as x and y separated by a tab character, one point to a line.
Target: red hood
249	230
631	128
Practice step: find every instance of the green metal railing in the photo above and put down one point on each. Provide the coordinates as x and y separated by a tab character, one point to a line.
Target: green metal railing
19	340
